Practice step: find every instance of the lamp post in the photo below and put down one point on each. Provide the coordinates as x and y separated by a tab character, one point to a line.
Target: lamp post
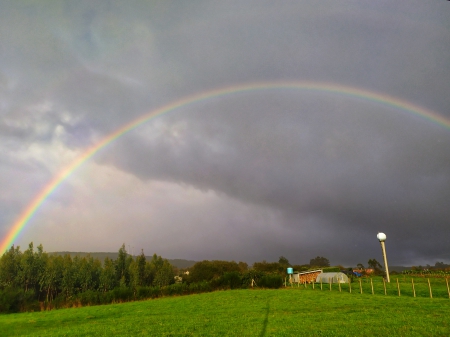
382	237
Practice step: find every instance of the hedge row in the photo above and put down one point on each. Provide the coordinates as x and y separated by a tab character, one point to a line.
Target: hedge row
17	300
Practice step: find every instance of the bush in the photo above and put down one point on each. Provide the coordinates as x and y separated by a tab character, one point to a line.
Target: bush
273	281
143	293
209	270
176	289
232	280
122	294
17	300
250	275
60	301
107	297
89	297
200	287
269	267
331	270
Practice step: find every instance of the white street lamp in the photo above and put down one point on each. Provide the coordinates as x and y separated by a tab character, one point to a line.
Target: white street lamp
382	237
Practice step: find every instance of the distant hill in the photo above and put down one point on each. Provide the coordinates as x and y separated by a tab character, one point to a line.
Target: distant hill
179	263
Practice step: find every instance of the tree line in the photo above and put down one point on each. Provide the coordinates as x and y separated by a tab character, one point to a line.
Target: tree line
32	278
35	280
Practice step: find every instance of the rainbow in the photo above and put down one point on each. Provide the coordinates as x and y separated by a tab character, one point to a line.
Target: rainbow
384	99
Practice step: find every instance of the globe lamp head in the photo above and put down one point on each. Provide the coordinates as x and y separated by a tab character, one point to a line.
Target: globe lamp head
381	237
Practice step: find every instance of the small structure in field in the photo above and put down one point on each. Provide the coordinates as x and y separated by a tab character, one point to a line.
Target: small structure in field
336	277
306	276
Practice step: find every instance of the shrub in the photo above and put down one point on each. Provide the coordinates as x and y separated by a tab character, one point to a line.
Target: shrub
331	270
250	275
269	267
106	297
209	270
89	297
200	287
175	289
17	300
273	281
147	292
122	294
232	280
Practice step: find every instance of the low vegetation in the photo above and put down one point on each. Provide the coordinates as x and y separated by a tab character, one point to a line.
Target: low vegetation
427	273
35	280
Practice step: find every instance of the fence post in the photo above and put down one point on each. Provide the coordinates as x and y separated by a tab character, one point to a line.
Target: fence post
384	286
448	289
313	284
398	287
329	281
429	287
360	286
414	289
349	286
339	286
320	283
371	285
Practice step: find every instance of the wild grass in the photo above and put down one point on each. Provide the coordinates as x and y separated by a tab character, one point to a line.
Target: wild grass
292	311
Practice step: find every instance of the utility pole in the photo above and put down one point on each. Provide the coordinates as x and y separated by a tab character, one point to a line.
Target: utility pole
382	237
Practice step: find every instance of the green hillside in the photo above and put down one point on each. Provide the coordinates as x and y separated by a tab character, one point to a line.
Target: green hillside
284	312
179	263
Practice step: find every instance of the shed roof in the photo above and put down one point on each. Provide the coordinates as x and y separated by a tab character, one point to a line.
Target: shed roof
334	277
308	272
331	274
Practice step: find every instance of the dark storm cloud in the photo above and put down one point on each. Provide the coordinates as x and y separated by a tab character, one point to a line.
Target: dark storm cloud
350	171
335	170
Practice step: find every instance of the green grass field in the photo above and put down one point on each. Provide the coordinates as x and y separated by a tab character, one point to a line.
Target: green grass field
284	312
421	288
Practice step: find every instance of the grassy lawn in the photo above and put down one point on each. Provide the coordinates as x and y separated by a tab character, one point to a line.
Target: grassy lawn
285	312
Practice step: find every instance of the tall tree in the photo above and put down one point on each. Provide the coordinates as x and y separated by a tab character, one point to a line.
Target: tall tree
441	265
89	273
243	266
269	267
164	275
122	264
10	268
157	261
208	270
373	263
284	261
134	275
141	261
50	281
40	260
149	273
108	278
319	261
69	277
28	270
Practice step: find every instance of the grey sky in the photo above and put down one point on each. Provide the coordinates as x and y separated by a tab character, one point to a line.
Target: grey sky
247	176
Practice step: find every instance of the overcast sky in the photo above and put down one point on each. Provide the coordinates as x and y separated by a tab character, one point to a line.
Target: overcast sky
247	176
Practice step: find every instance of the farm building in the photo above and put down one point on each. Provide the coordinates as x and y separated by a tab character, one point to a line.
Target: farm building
337	277
306	276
